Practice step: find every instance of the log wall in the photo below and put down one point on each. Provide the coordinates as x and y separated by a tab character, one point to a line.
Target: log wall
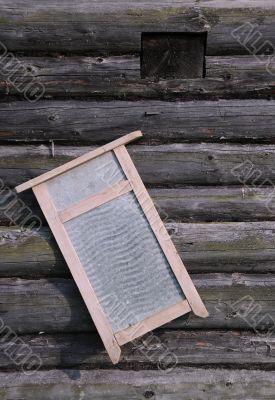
207	158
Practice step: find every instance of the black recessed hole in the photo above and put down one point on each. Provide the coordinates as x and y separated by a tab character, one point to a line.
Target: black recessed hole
173	55
148	394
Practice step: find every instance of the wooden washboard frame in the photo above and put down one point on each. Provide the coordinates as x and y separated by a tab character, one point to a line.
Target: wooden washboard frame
57	218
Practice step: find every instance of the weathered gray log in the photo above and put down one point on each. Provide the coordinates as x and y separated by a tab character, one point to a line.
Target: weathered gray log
213	204
54	305
199	204
182	383
226	247
30	253
241	67
164	349
118	77
164	165
109	27
161	121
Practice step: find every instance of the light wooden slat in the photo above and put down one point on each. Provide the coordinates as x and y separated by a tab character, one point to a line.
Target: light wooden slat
77	270
94	201
80	160
142	327
160	232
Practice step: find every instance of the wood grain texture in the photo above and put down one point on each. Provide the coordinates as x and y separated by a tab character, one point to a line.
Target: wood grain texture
164	349
214	204
191	204
83	122
173	165
55	305
241	67
216	247
119	77
195	383
90	51
107	27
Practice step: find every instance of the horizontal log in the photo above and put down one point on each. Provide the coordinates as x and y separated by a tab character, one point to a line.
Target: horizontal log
220	247
114	28
234	301
199	204
241	67
166	349
214	204
161	121
163	166
187	382
30	254
118	77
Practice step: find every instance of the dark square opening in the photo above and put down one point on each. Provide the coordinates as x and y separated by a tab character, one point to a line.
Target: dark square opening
173	55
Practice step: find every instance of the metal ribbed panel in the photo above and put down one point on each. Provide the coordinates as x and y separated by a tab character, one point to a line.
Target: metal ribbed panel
85	180
122	258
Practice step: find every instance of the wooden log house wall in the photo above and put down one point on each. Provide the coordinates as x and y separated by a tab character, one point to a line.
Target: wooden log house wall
197	134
